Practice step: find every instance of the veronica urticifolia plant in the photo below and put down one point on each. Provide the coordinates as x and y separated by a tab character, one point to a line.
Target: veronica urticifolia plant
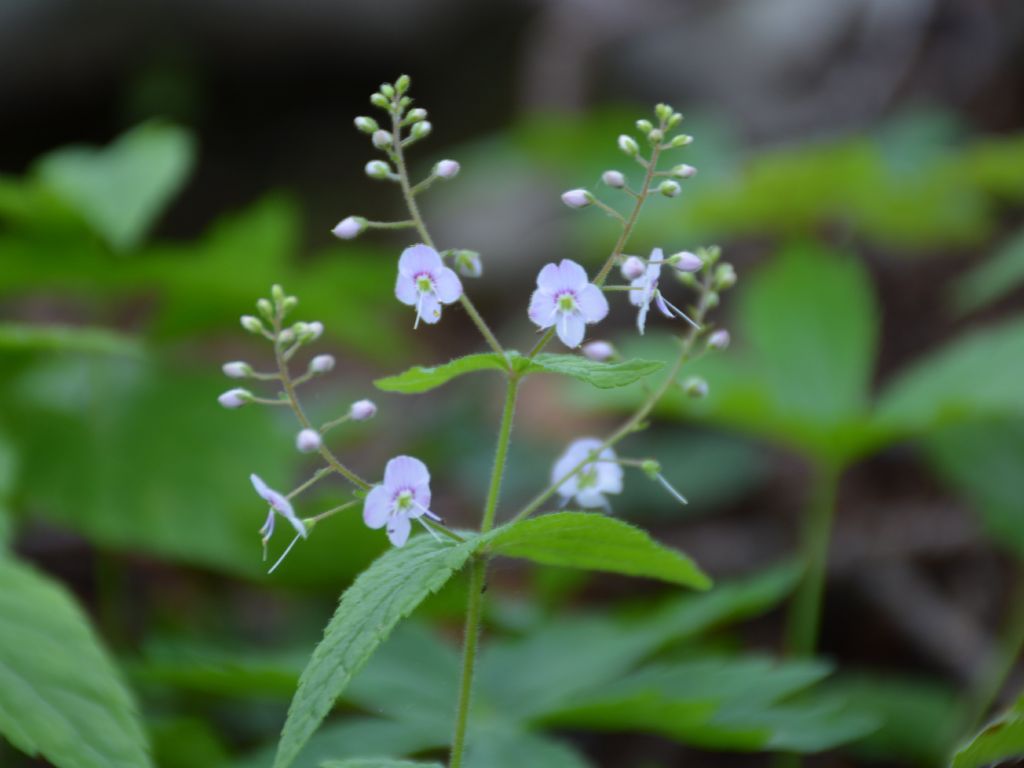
569	521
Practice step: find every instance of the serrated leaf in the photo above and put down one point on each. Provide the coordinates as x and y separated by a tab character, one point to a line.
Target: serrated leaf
1000	741
376	762
421	379
60	695
63	338
601	375
595	542
121	189
977	375
386	592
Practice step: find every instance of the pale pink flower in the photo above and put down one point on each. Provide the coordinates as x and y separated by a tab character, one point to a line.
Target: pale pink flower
426	283
567	300
402	497
600	475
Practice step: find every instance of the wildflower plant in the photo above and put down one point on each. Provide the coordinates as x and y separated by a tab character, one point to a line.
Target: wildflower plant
569	521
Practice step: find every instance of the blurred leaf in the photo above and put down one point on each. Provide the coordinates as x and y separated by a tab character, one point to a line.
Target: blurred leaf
60	338
382	595
983	462
187	742
60	695
600	375
596	542
1000	274
497	746
376	762
975	376
420	379
1000	741
917	717
121	189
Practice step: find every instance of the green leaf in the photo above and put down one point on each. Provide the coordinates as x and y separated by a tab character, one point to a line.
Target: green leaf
973	377
376	762
601	375
60	695
389	590
496	745
420	379
63	338
993	279
595	542
121	189
1000	741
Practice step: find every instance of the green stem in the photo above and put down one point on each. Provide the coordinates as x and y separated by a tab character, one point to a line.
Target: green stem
398	158
805	613
500	455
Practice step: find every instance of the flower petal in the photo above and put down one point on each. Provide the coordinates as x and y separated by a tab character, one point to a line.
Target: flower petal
640	291
590	498
548	279
405	290
419	258
542	308
662	306
405	472
572	275
398	530
592	303
447	286
261	488
376	507
571	327
428	308
609	477
641	318
297	524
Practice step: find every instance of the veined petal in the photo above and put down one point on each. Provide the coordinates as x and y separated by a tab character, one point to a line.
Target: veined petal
548	278
272	497
592	303
376	507
398	530
405	472
572	275
428	308
447	286
542	308
571	326
662	306
405	290
419	258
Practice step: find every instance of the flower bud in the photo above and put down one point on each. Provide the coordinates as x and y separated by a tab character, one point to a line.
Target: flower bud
308	440
644	126
378	169
237	369
684	171
362	410
446	169
651	468
387	90
685	261
349	227
599	351
252	324
277	294
614	179
402	84
681	140
235	398
669	188
711	299
420	130
287	336
306	332
628	145
265	308
687	278
674	119
321	363
381	139
695	387
468	264
290	303
655	136
725	276
380	100
633	267
415	115
577	198
366	124
719	339
663	111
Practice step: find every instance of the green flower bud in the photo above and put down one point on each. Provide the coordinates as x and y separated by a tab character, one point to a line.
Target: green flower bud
252	324
655	136
669	188
387	90
725	276
415	115
420	130
379	100
277	294
402	84
651	468
366	124
663	111
695	387
681	140
628	145
644	126
265	308
378	169
674	120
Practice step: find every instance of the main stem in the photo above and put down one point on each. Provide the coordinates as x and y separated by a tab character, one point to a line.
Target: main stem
477	579
417	219
805	614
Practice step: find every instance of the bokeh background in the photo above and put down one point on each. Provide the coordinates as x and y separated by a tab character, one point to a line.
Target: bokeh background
861	162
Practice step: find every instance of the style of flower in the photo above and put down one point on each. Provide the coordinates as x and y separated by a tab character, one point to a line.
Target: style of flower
279	505
402	497
565	298
600	475
426	283
644	290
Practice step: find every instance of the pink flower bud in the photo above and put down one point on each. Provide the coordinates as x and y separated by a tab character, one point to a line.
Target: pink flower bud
684	171
719	339
308	440
321	363
576	198
614	179
599	351
381	139
685	261
633	267
235	398
363	410
314	330
447	169
236	370
349	227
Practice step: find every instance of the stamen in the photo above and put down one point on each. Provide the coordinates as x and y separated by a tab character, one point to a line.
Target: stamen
285	554
680	312
429	530
668	486
426	511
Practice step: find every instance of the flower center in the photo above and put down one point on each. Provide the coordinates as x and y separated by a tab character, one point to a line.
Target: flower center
404	502
587	477
566	302
424	284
